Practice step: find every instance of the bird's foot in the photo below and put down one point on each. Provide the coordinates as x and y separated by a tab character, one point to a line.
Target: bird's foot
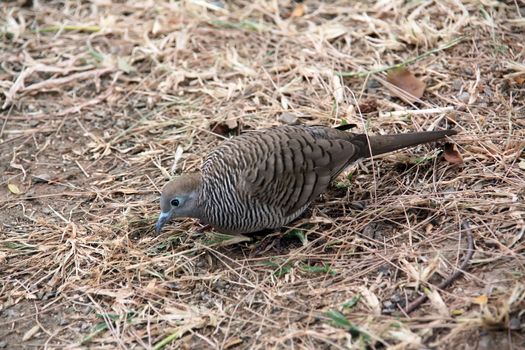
268	242
203	228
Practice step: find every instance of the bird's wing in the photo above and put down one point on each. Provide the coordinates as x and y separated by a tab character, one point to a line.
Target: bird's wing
294	167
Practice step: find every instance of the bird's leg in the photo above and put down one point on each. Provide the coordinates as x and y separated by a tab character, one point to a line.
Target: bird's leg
203	228
268	242
262	246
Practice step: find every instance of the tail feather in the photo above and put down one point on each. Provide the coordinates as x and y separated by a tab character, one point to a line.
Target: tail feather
378	144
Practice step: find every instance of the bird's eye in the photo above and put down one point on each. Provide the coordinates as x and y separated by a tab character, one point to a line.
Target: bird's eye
175	202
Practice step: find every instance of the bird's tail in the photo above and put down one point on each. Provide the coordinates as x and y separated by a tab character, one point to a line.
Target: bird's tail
379	144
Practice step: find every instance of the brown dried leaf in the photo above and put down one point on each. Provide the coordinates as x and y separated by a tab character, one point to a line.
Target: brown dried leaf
368	106
412	87
232	342
519	80
225	128
151	287
451	154
480	300
298	11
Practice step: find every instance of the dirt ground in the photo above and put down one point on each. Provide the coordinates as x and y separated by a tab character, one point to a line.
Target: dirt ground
101	103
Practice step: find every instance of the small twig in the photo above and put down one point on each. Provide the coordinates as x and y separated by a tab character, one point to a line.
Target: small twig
82	169
402	113
402	64
55	83
445	283
80	28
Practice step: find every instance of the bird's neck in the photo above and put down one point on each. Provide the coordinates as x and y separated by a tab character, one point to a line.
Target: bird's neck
197	195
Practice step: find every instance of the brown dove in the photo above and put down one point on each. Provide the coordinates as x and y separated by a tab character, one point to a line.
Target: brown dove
264	179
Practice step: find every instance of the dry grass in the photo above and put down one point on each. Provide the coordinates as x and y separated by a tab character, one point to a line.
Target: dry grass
101	102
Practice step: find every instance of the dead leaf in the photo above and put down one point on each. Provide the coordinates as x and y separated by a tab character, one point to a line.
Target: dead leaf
412	87
232	342
457	312
338	89
13	188
437	302
30	333
451	154
452	118
178	155
371	300
368	106
120	295
407	337
124	65
519	80
521	165
288	118
157	27
331	31
480	300
19	167
225	128
428	271
298	11
41	178
151	287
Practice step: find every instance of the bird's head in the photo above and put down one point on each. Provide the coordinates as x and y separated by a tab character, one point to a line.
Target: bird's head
179	199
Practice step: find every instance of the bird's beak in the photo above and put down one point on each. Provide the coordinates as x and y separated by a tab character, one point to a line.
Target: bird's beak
162	220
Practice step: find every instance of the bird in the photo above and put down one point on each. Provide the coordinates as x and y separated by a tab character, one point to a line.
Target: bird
264	179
